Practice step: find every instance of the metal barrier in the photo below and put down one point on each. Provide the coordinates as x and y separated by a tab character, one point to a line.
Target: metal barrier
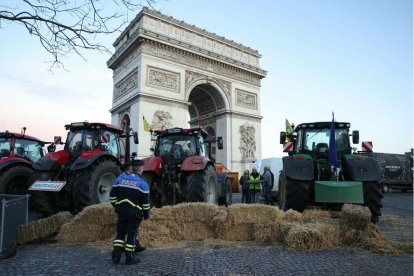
13	212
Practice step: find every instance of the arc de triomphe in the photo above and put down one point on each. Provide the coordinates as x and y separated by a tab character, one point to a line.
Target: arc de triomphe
177	75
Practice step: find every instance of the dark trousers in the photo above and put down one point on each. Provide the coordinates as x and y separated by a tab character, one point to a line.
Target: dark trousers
266	194
245	196
127	226
253	196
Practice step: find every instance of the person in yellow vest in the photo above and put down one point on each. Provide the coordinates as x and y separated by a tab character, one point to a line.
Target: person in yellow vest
254	187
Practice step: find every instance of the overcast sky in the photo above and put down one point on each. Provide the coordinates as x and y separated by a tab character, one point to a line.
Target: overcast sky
352	57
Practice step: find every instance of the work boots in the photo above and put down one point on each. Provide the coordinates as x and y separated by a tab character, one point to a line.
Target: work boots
138	247
130	258
117	252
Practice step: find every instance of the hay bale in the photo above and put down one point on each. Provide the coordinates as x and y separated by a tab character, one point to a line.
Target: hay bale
42	228
356	216
253	213
100	214
292	216
313	215
191	212
314	236
266	232
159	233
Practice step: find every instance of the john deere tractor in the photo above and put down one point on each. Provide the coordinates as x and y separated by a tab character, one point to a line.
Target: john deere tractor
322	169
82	173
181	170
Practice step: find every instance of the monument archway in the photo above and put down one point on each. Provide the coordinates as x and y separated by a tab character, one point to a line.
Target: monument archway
173	74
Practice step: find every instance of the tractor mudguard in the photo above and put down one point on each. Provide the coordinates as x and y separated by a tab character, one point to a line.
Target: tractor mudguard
360	168
195	163
153	164
221	181
298	167
88	158
52	161
4	163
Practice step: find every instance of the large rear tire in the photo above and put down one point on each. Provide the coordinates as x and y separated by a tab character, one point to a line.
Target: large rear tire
201	186
155	194
373	199
92	185
42	202
14	180
295	195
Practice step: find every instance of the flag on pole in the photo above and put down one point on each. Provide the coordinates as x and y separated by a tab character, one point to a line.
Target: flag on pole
333	158
147	125
289	129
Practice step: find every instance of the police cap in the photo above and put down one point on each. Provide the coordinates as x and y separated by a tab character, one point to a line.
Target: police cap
137	163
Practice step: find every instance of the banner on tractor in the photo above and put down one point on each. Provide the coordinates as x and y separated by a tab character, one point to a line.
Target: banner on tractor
49	186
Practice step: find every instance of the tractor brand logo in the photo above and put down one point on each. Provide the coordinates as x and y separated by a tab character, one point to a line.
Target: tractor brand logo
52	186
393	168
288	146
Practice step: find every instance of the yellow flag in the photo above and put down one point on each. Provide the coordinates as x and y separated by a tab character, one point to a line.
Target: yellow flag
147	125
289	129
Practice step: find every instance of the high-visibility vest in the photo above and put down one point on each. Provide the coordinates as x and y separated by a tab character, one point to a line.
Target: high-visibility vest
254	186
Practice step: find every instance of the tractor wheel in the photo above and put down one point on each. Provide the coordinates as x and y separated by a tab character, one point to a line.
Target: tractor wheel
202	186
296	194
228	198
155	193
92	185
41	202
282	191
373	199
229	193
14	180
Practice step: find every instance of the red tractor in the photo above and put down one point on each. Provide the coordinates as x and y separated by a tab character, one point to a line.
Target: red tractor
181	171
83	172
17	153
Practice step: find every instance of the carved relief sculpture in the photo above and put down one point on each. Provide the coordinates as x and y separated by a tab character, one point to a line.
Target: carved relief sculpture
125	85
161	120
247	141
164	79
246	99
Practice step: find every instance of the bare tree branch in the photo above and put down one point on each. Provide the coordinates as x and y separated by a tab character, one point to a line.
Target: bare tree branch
65	26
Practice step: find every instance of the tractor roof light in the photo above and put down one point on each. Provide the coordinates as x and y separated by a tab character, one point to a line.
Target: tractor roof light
175	130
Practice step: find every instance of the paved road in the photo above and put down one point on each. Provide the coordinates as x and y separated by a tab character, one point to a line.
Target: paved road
210	259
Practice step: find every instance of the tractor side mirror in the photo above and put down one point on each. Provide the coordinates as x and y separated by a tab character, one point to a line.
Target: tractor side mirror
355	137
51	148
220	143
135	135
282	137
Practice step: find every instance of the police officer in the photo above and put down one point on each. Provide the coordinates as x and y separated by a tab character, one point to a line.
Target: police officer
130	198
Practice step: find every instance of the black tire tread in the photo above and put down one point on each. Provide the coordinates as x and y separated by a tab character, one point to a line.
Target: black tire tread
10	173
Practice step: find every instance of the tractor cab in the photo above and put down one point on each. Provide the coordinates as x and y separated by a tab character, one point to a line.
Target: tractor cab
14	145
178	143
86	137
313	139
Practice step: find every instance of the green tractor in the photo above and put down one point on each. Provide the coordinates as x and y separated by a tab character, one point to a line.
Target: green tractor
322	169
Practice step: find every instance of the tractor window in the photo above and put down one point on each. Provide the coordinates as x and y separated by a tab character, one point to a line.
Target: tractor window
317	140
28	149
177	146
4	147
110	143
74	143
